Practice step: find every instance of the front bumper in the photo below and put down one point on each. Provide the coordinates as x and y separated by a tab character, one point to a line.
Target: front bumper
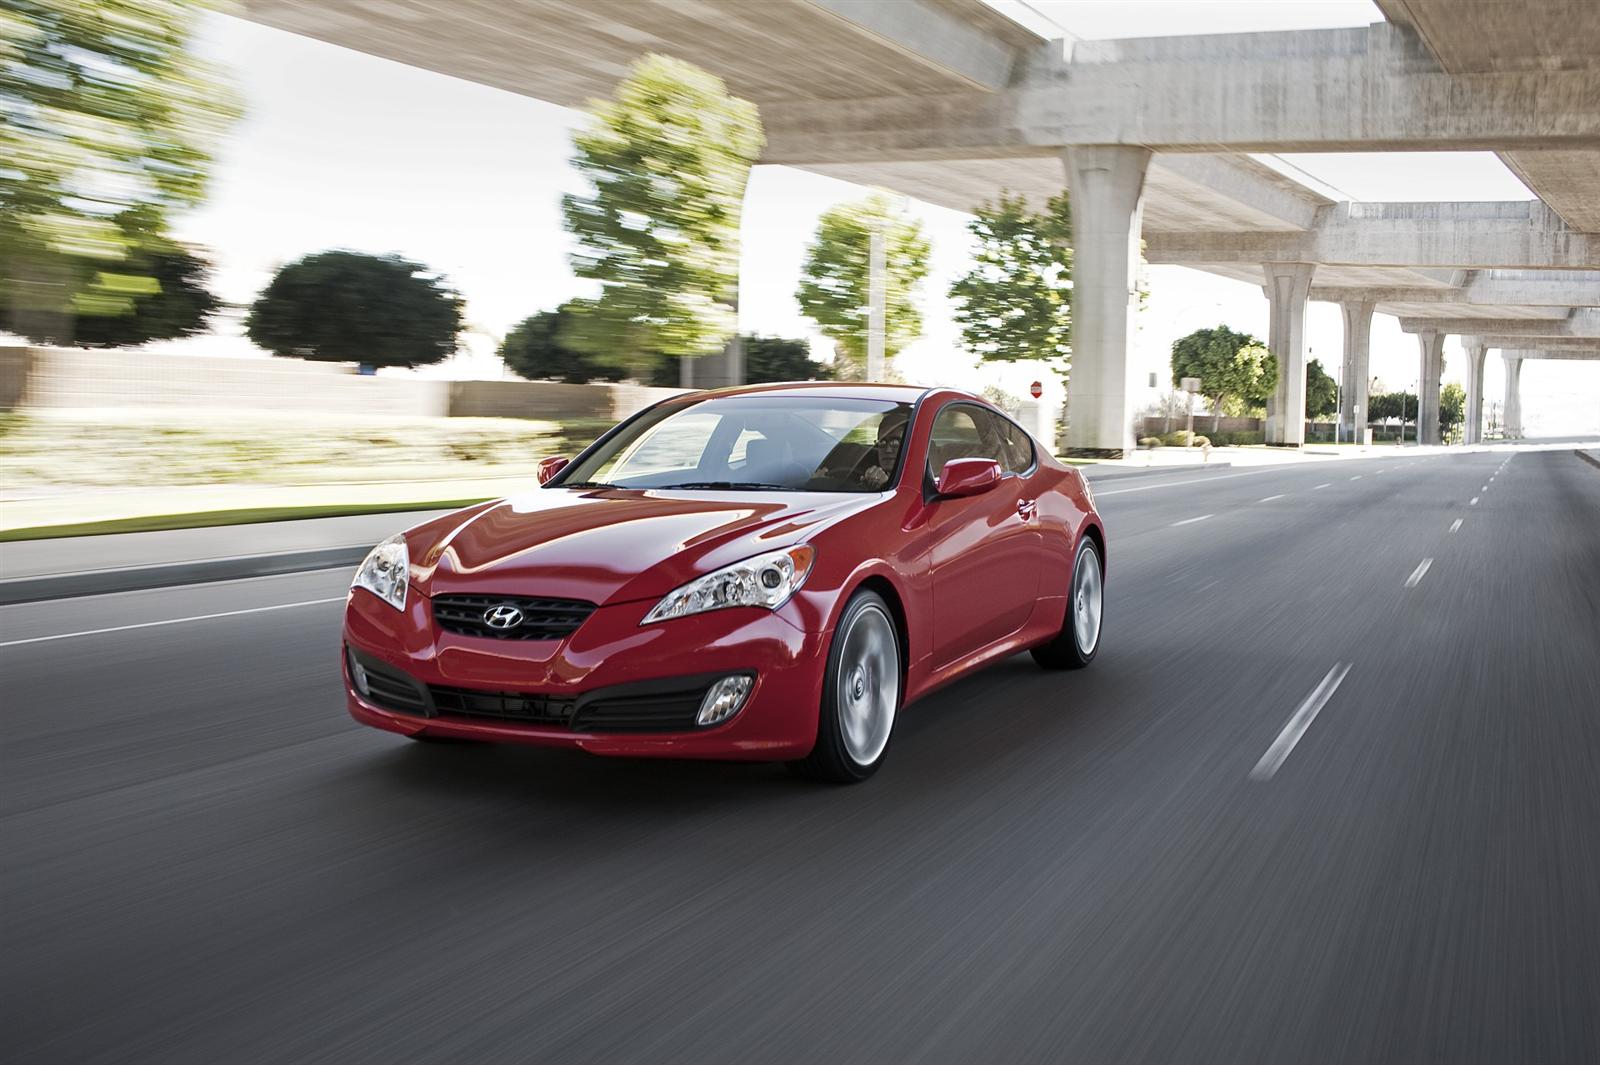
603	689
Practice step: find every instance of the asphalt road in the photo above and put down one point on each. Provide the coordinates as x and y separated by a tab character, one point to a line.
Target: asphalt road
1171	856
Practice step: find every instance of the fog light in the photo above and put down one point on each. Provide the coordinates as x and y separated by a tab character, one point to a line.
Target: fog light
724	698
358	676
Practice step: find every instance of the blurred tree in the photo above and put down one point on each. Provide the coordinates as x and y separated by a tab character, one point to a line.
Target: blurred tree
1016	301
344	306
766	360
534	349
108	129
1452	406
668	158
1234	368
771	359
834	282
1322	391
158	289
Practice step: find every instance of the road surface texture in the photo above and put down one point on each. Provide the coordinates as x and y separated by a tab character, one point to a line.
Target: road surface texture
1330	793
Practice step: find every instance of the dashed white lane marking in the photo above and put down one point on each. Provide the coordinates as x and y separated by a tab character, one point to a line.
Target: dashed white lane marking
1269	499
1357	477
1473	501
1299	721
171	621
1418	573
1327	484
1455	525
1191	521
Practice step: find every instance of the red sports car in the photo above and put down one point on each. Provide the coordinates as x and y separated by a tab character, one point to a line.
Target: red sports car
769	572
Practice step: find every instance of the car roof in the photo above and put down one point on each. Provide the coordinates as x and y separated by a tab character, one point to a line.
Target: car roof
889	393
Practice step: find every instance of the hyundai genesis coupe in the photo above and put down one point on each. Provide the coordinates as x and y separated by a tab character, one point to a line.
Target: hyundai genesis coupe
768	572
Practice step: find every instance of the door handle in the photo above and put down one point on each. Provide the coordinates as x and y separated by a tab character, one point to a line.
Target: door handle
1026	508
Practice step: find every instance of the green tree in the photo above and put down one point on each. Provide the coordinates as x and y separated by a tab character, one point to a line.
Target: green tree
1322	391
109	126
766	360
344	306
1452	407
534	349
667	159
835	279
771	359
1016	301
1234	368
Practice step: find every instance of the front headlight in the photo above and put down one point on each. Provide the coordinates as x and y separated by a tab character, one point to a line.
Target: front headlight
766	580
385	572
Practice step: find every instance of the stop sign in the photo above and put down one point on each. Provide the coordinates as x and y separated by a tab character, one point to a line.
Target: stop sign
1036	389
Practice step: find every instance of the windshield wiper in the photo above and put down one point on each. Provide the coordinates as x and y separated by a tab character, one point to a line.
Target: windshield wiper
583	484
727	484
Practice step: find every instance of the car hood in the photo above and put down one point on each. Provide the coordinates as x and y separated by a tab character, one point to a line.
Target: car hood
611	545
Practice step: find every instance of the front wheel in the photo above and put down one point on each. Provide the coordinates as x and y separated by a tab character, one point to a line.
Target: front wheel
1079	639
860	694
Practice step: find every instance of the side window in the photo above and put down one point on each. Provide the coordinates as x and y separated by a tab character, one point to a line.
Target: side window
1015	444
962	431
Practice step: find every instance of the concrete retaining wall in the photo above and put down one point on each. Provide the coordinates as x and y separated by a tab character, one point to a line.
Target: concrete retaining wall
73	377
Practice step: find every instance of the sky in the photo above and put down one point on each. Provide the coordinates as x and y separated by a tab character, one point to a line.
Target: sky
341	149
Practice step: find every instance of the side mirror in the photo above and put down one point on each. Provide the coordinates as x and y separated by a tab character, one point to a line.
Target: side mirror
551	466
967	477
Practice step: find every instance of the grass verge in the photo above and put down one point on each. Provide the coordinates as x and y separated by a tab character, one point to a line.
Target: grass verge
211	518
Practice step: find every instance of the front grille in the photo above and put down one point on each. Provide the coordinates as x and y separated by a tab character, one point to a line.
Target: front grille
501	706
542	619
667	705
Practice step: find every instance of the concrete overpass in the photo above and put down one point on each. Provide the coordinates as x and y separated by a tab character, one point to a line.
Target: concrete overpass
951	102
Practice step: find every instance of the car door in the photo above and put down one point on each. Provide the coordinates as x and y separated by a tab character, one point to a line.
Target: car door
984	549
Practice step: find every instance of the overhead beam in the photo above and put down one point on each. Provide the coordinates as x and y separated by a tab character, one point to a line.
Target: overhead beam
1583	323
1560	347
1553	288
1369	89
936	36
1515	233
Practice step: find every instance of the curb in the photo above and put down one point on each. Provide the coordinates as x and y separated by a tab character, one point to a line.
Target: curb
169	574
1585	456
1150	471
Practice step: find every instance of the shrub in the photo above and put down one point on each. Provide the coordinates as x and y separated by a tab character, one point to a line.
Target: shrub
1149	442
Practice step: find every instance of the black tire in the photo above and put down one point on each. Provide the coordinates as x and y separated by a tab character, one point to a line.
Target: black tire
867	634
1066	650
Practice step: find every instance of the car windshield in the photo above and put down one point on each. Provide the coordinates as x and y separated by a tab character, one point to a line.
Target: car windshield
752	443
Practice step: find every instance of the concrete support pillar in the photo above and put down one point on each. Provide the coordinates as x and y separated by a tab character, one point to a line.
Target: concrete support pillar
1287	286
1429	369
1353	412
1477	350
1107	188
1513	411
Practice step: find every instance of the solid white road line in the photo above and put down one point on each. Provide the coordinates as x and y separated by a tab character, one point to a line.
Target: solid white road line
1298	723
1455	525
1191	521
1171	484
171	621
1418	573
1270	498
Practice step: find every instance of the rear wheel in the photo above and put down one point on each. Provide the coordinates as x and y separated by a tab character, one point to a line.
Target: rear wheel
860	694
1079	639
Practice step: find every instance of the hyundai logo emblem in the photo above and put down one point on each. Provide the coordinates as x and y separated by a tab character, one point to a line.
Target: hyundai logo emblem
502	617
